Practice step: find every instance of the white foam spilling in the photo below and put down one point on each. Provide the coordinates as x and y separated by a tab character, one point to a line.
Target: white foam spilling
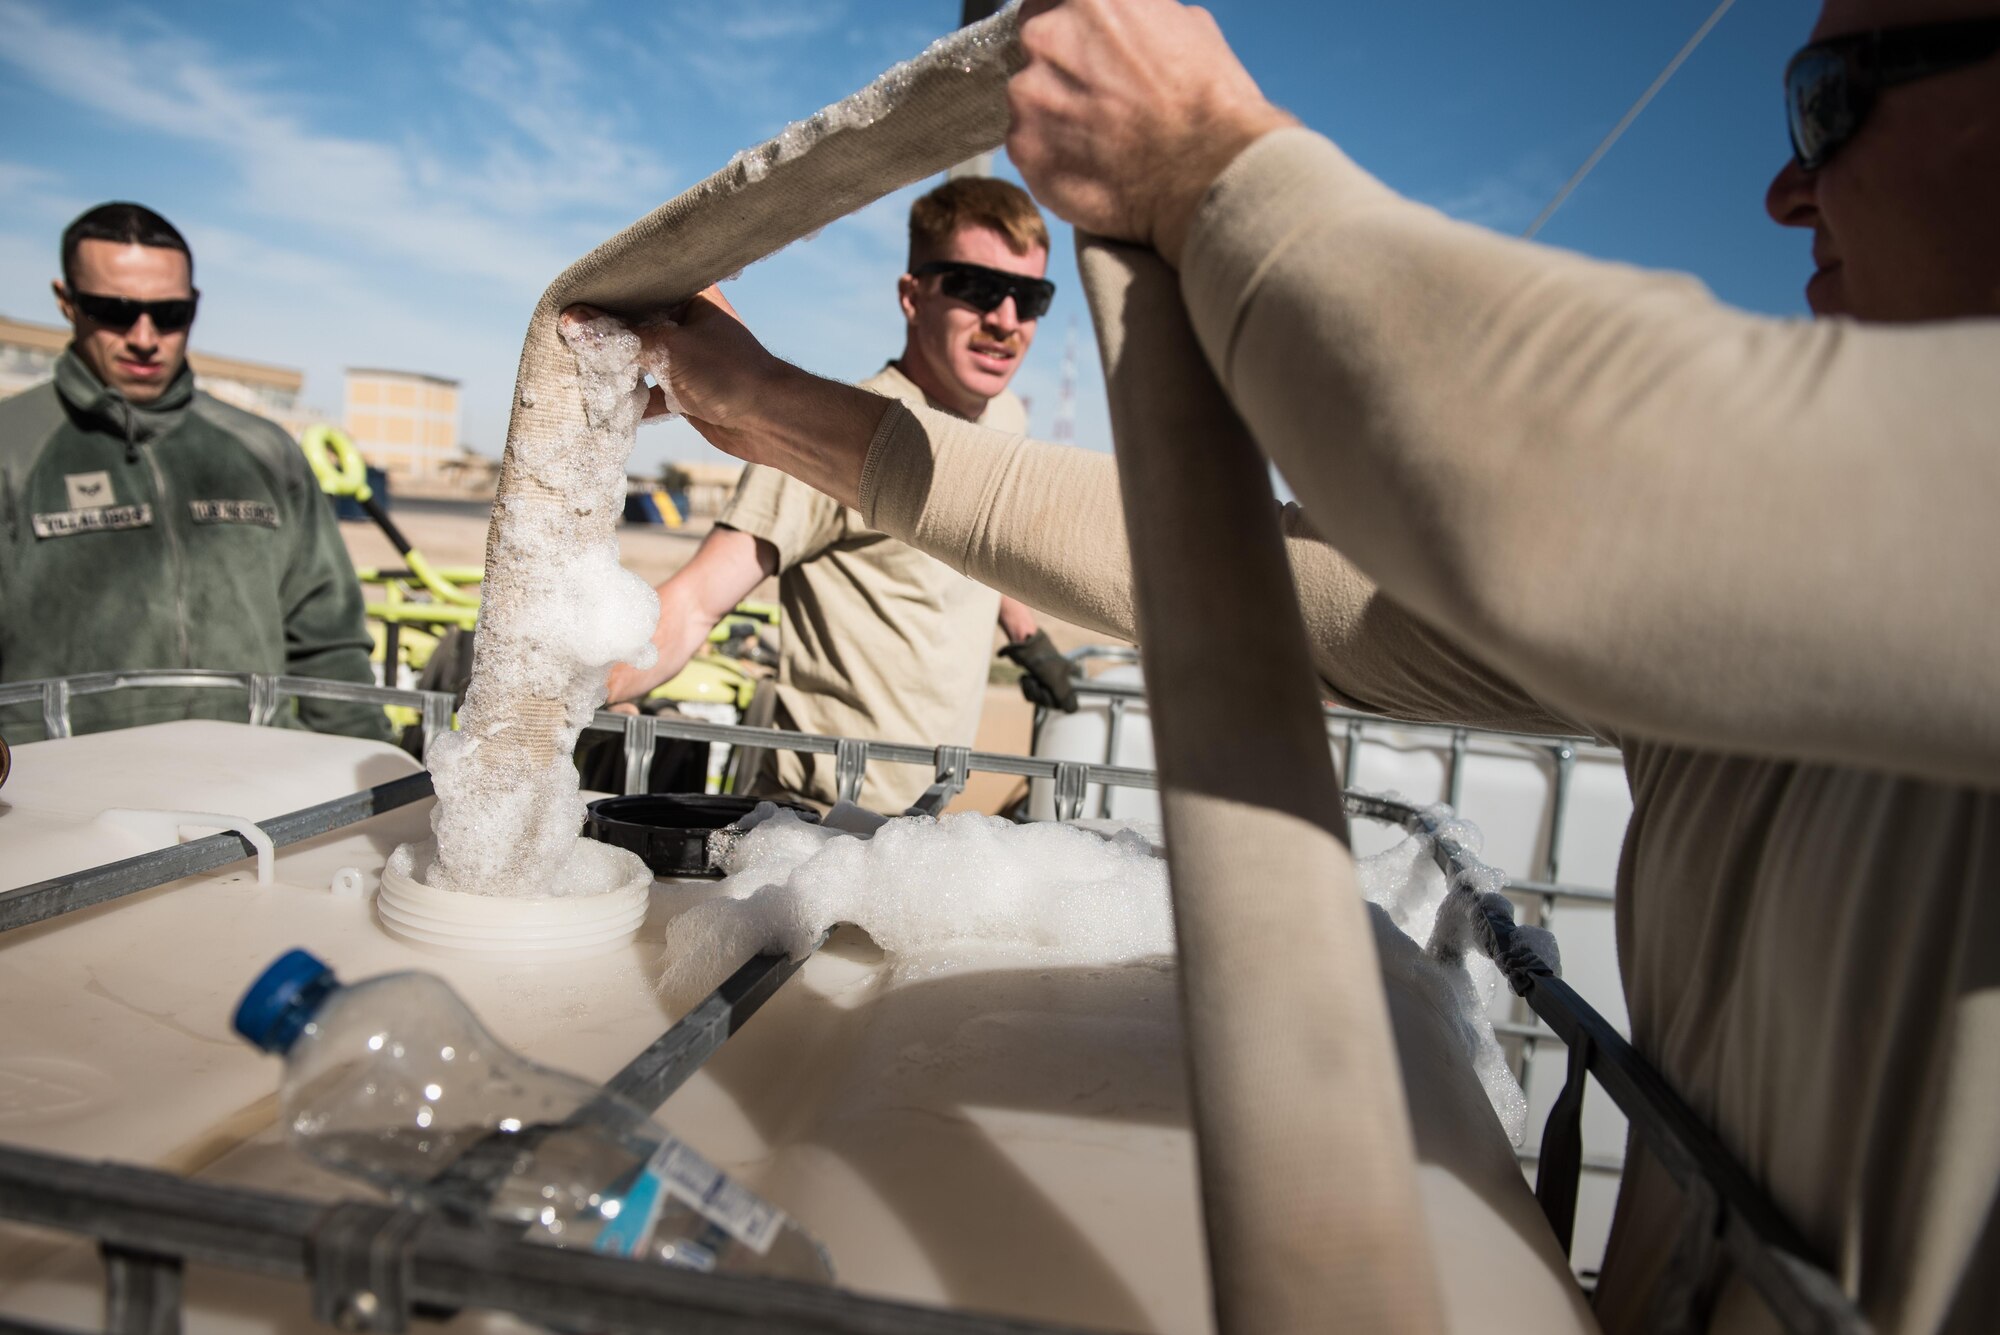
932	893
929	891
511	829
1407	885
654	362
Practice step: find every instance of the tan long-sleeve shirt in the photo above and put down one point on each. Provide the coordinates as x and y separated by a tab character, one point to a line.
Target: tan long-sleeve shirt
1556	494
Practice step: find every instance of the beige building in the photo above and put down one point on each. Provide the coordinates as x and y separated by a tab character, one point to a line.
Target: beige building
404	422
28	355
707	484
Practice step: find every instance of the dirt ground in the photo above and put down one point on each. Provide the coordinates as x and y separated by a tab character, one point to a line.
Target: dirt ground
458	538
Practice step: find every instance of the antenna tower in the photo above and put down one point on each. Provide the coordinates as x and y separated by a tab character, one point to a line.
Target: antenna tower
1065	424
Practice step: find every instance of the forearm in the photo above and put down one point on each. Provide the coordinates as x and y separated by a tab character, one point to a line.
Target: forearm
1045	524
1017	619
1655	512
682	630
724	570
1041	523
816	430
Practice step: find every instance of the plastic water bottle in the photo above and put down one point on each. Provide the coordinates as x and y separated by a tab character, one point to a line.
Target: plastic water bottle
393	1080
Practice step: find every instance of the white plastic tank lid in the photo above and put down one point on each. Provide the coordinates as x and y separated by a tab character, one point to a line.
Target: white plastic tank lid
522	928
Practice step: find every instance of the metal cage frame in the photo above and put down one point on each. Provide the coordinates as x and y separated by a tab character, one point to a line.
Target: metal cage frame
373	1267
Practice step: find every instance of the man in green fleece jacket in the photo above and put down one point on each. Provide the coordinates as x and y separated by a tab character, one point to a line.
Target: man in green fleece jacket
144	524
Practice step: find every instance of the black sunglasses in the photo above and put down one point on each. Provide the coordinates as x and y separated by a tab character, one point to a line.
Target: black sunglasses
121	313
1830	86
984	289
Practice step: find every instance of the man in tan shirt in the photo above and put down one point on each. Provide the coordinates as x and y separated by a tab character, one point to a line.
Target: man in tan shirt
1549	493
880	640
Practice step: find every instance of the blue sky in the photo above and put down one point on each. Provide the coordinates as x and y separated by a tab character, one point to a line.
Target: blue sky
376	183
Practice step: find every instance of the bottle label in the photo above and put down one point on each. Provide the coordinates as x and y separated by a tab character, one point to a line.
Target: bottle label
679	1172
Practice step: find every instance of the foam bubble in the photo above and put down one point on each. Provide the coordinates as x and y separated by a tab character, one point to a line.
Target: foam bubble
1407	885
655	363
931	892
927	889
570	612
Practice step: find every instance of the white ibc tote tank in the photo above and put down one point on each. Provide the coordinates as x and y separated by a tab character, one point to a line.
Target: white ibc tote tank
1512	788
1087	735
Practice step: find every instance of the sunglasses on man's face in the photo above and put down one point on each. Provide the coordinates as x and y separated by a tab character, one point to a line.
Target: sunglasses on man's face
984	289
1830	86
121	313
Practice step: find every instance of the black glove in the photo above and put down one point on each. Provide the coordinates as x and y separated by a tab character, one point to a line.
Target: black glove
1045	673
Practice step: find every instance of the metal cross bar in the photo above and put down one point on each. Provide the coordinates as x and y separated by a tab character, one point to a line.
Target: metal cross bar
1096	686
15	1326
142	1292
651	1078
264	691
451	1264
896	753
1763	1244
80	890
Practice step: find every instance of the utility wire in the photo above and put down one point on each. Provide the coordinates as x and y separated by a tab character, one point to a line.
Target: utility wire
1597	154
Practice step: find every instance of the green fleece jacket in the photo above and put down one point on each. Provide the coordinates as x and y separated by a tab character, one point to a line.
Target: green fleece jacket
182	534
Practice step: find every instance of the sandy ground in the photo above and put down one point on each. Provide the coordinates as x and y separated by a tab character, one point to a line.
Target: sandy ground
454	538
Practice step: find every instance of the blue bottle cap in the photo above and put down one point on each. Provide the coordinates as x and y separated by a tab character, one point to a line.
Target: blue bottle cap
281	1002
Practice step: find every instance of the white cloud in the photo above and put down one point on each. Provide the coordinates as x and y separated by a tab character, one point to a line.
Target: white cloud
731	23
18	178
407	201
1506	201
522	69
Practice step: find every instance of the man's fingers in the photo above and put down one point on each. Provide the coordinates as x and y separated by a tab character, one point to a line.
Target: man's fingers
656	403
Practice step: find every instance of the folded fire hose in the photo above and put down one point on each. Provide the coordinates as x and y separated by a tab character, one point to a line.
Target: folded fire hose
1307	1168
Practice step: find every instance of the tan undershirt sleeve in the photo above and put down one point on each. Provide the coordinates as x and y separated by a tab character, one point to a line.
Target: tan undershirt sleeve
1652	511
800	522
1044	524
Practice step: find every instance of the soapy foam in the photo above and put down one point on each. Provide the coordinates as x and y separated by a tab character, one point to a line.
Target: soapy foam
506	828
935	892
1409	887
511	829
927	890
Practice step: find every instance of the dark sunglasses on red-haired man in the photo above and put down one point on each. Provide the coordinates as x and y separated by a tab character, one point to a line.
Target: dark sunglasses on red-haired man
984	289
